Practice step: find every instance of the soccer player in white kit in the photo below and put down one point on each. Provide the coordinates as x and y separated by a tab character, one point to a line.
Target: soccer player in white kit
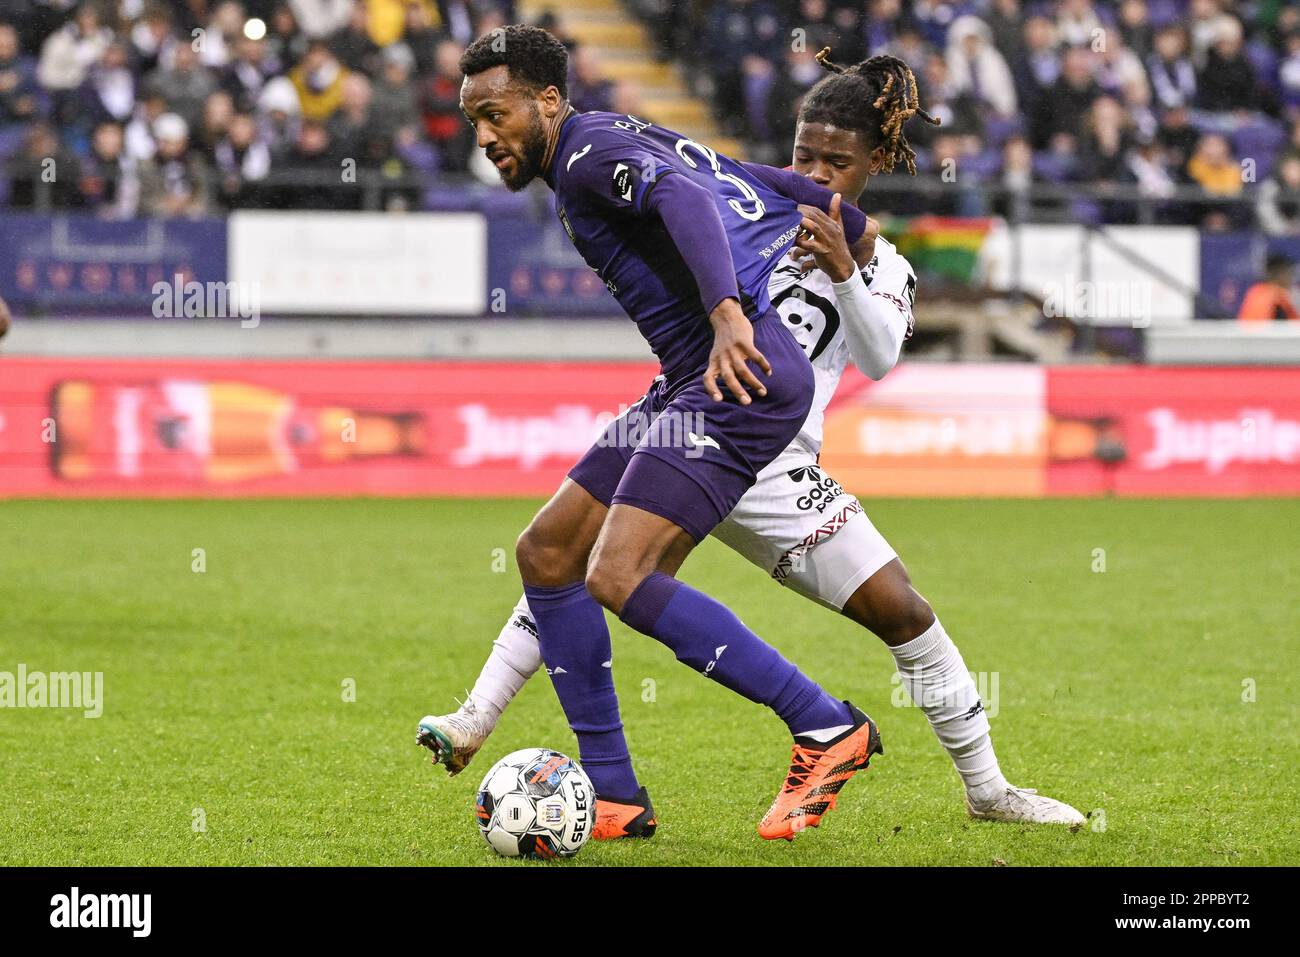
797	523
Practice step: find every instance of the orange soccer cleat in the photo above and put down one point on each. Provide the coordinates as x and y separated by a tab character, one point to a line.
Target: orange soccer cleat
619	817
817	773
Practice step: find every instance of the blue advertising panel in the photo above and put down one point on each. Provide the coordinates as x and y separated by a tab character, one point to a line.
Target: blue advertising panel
1232	262
532	261
78	262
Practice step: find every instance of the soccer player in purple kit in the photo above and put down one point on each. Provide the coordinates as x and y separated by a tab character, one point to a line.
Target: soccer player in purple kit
685	239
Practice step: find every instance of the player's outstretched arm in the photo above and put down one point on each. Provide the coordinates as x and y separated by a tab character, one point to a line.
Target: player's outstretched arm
807	193
4	317
691	218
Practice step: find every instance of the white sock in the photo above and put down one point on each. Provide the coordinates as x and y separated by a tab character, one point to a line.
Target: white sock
515	657
935	676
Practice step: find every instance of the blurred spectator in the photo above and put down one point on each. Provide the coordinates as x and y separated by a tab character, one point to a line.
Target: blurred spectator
388	18
1017	178
1135	26
589	89
221	34
1207	19
185	84
422	36
1173	78
242	161
394	105
247	73
458	21
279	114
217	114
1149	165
627	99
956	112
1103	155
1289	74
1041	66
444	124
107	181
933	18
737	29
353	45
1062	108
318	78
17	79
1119	70
1006	20
152	37
313	153
975	67
1227	81
286	44
67	56
1213	166
319	19
174	182
1279	199
351	126
1271	299
108	93
1077	23
1178	137
44	173
140	144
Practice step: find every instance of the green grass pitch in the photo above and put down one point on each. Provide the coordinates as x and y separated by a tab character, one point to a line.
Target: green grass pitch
1161	692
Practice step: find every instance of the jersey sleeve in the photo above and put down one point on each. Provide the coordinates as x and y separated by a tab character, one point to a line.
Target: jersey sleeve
613	171
803	190
894	281
876	308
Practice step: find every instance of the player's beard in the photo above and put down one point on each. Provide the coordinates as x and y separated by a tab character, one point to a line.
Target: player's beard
528	161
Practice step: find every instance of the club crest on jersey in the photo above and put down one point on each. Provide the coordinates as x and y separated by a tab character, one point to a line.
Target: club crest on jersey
623	182
564	221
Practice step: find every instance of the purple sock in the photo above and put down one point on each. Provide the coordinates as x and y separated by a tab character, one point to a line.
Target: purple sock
706	635
574	641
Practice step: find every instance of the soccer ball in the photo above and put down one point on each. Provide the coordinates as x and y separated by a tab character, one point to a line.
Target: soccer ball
536	803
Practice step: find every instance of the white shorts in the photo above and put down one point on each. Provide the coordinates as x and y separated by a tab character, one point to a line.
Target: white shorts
798	525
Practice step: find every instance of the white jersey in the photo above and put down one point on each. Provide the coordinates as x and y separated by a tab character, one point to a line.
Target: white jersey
807	304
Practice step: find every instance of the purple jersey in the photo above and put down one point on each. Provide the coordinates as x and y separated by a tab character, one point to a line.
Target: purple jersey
605	170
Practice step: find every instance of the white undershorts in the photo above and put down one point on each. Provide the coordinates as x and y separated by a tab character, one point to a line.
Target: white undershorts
801	527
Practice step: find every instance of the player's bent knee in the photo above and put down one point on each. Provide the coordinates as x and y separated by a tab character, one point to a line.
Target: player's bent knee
545	561
610	583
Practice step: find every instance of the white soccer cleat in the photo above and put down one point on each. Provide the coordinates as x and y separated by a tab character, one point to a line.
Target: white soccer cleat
454	738
1026	806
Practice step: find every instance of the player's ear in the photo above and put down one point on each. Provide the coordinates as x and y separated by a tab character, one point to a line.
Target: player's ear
551	102
876	160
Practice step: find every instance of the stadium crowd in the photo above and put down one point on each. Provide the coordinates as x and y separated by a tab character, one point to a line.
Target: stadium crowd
187	107
1155	94
177	108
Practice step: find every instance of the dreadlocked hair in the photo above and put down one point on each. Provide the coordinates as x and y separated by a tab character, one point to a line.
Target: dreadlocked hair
875	97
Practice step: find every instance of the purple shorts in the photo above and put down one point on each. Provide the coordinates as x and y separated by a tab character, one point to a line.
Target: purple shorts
682	456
